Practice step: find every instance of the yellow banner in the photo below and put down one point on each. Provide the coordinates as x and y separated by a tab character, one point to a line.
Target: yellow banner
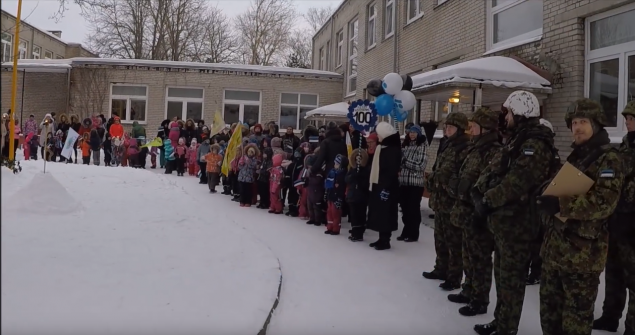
157	142
218	124
230	152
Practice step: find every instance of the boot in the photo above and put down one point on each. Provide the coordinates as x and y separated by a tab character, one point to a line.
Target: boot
434	275
533	279
373	244
310	222
382	245
459	298
604	323
486	329
449	286
355	238
401	238
473	308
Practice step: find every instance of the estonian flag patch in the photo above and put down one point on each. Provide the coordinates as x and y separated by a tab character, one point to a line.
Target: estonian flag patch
607	174
528	152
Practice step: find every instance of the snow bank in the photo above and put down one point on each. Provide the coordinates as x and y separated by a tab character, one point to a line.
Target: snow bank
140	258
44	195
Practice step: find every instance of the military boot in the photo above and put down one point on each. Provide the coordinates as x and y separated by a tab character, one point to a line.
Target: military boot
486	328
434	275
473	308
607	324
449	286
459	298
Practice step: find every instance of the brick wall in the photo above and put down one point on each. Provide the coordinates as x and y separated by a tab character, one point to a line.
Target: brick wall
43	93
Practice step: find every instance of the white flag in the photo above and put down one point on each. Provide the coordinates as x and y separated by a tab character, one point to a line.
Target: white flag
71	138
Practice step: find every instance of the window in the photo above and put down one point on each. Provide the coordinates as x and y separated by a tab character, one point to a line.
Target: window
241	106
352	56
328	56
321	59
7	42
390	18
610	63
293	109
129	102
59	57
48	54
513	22
37	51
414	10
340	47
184	103
22	49
370	31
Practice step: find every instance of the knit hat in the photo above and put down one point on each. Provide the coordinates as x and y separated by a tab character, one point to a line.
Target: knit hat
415	129
373	137
338	159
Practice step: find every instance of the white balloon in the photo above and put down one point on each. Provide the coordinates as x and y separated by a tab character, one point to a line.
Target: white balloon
392	83
405	100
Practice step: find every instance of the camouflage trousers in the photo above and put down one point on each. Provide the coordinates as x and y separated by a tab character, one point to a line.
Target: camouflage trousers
510	273
478	246
618	278
567	301
448	245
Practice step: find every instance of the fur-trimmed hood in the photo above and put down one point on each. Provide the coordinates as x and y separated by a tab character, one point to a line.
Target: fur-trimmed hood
191	125
215	146
74	118
249	146
276	142
353	158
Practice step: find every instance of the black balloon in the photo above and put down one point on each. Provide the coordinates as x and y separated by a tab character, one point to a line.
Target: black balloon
407	82
374	88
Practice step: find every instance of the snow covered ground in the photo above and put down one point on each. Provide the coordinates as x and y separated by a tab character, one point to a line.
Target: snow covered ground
140	240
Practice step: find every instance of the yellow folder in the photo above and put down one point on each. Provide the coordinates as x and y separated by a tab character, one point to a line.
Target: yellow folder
569	182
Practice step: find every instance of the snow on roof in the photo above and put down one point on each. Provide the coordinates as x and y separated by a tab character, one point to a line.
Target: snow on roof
498	71
339	109
40	65
211	66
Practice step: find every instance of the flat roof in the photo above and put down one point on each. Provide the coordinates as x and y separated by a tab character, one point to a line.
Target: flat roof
80	61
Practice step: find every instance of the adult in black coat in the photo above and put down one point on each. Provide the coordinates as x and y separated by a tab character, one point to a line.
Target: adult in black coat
383	203
356	136
332	146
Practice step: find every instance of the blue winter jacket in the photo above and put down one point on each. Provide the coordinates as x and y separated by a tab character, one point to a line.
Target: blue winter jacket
168	150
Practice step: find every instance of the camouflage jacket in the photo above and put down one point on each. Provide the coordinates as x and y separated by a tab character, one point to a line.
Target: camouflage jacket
627	199
476	160
514	173
446	169
580	244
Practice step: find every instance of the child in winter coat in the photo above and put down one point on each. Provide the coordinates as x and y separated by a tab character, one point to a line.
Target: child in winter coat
203	150
153	157
276	174
170	159
263	178
315	196
85	145
58	145
192	163
233	174
34	144
125	145
26	146
335	185
214	162
246	171
175	132
107	145
180	154
133	152
301	185
357	183
95	145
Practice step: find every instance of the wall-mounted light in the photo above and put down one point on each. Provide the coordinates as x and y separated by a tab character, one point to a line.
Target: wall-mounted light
454	100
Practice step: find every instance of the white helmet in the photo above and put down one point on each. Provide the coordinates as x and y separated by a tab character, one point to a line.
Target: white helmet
523	103
547	124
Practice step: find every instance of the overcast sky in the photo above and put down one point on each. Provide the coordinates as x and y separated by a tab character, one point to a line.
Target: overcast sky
75	29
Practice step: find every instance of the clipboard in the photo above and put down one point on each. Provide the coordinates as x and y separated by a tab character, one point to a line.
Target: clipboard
568	182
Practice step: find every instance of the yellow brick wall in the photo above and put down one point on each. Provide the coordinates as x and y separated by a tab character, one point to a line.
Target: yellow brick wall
43	93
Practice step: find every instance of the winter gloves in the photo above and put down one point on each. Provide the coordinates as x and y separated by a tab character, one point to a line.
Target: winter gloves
338	204
548	204
480	205
384	195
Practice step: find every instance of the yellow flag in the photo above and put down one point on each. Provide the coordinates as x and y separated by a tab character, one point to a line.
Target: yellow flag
218	124
230	152
156	142
349	144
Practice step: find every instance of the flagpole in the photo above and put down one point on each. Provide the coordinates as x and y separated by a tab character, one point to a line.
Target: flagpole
14	83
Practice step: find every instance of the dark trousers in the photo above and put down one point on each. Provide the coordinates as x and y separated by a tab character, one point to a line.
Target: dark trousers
203	178
263	192
233	182
357	217
180	164
133	160
86	160
293	199
316	214
246	193
620	278
212	179
170	166
410	201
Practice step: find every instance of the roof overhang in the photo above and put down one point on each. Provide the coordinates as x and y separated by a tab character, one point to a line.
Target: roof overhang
336	110
40	66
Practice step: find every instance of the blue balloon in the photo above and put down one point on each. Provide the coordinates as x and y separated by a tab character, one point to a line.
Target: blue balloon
399	114
384	104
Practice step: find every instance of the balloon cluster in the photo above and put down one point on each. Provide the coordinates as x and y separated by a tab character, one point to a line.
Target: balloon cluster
393	95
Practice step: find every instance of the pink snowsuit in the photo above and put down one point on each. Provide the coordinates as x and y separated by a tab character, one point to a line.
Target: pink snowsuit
175	132
192	164
276	174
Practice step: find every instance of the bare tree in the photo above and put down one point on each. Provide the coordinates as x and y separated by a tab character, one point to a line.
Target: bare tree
90	90
216	41
317	17
300	49
183	26
264	31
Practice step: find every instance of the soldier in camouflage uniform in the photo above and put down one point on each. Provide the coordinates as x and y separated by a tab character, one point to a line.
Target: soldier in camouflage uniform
620	264
478	242
574	252
448	236
502	193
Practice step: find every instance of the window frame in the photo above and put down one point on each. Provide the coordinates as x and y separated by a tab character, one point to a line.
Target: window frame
417	16
621	52
59	57
298	106
321	58
387	33
328	55
38	54
7	44
184	101
352	56
371	19
242	103
340	48
521	39
23	51
48	51
128	103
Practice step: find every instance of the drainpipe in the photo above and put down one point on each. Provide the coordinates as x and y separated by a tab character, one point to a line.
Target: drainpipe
395	58
330	60
68	85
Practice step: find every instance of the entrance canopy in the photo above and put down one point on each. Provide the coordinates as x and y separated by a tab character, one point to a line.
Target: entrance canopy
329	112
497	77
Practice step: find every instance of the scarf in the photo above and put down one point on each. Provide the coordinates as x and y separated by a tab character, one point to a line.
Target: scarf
374	171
